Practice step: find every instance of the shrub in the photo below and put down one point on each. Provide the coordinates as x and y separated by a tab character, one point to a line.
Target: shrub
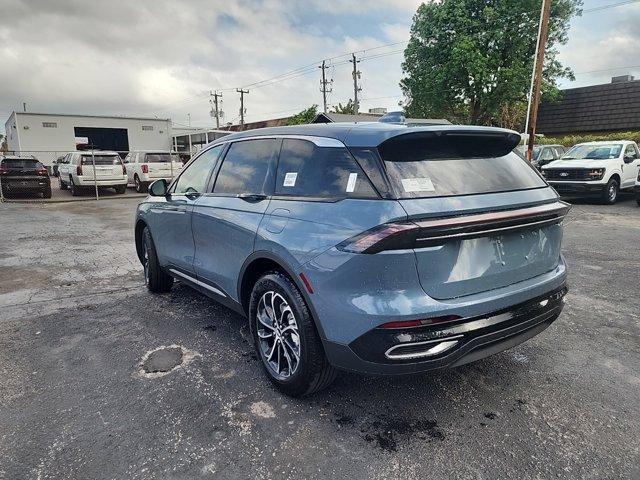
571	140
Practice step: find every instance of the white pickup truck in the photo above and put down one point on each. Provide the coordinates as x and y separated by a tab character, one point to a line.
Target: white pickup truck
595	168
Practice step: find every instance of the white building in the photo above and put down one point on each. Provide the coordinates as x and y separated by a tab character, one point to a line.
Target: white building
47	136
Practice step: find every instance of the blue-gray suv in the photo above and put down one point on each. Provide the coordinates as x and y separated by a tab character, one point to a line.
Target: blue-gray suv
374	248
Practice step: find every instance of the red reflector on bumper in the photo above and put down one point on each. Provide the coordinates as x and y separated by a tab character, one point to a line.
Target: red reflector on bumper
420	323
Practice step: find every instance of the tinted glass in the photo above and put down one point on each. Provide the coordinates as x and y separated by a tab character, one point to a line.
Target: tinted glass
246	167
593	152
157	158
194	177
306	170
101	160
421	167
21	164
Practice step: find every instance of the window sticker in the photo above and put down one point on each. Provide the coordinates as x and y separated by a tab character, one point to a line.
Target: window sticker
290	179
351	184
421	184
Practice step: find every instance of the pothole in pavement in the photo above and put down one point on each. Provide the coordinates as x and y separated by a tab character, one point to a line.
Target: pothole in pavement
165	359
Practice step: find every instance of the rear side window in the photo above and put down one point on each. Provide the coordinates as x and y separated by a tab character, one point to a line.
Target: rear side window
434	167
101	160
248	167
306	170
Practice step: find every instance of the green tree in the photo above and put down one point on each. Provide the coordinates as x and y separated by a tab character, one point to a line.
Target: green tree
305	116
469	60
349	108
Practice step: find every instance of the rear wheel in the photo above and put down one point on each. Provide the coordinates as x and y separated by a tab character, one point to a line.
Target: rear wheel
610	193
286	339
47	192
61	184
156	279
141	187
75	190
120	189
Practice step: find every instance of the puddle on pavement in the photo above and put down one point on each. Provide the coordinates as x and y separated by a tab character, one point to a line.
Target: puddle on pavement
165	359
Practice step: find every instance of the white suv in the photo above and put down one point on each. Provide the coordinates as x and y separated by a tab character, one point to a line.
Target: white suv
76	171
595	168
146	167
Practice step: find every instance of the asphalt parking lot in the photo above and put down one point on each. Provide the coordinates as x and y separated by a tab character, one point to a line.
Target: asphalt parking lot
76	323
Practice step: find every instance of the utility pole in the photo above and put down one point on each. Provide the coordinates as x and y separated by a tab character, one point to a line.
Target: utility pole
216	110
241	92
24	106
356	89
189	119
323	86
532	114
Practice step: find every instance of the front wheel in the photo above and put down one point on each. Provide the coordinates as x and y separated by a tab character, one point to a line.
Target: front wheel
156	279
286	339
610	193
75	190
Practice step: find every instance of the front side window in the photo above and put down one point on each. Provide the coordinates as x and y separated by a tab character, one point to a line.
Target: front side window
248	167
306	170
630	151
194	178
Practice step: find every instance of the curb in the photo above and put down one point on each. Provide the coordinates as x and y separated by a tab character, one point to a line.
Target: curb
88	199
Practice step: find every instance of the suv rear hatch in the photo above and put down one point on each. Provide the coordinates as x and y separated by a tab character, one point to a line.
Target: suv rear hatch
162	165
23	172
479	216
107	166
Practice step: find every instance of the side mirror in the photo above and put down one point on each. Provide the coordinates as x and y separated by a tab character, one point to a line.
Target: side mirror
159	188
629	158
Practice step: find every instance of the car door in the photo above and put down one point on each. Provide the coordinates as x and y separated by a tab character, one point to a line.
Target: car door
170	219
226	220
630	165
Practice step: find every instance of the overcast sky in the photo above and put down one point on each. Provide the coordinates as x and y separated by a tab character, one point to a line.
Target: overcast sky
161	58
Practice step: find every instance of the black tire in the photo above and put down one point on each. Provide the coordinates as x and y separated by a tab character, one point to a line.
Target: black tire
312	372
141	187
611	192
75	190
61	184
120	189
46	193
156	279
638	201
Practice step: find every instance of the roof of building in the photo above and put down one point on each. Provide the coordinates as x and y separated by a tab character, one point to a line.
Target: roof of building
370	134
119	117
598	108
371	117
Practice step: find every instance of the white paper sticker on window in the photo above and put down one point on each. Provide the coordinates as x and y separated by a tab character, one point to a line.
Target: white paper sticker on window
351	184
422	184
290	179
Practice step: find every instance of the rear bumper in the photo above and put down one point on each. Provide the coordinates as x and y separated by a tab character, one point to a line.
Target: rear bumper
467	340
86	182
26	186
577	188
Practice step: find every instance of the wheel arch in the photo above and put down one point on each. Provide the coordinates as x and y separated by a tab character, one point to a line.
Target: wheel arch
140	226
260	262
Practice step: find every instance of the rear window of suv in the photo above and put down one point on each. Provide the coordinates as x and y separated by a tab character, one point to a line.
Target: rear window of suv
101	160
307	170
21	164
160	158
420	166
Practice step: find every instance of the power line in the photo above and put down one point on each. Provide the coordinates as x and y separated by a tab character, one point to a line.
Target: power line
607	69
611	5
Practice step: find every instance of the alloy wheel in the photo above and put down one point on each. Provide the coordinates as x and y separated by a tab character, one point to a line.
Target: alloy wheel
613	192
278	335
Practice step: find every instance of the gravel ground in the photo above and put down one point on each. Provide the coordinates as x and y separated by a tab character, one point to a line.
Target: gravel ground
82	396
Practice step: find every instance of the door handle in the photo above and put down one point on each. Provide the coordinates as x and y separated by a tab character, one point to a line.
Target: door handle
252	197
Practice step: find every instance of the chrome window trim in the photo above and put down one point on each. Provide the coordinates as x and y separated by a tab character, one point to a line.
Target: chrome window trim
325	142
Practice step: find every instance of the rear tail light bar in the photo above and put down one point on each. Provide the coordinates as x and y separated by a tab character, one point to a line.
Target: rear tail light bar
437	231
41	171
145	168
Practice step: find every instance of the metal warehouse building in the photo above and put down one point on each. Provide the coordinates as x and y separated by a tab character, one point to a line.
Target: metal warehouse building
47	136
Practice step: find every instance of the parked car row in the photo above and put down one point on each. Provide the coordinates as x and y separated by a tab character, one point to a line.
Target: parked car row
146	167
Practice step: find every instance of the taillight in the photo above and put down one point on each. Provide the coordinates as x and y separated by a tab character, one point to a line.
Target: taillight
79	170
145	168
41	171
437	231
4	171
420	323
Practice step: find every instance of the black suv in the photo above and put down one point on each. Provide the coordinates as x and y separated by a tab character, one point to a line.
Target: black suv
24	175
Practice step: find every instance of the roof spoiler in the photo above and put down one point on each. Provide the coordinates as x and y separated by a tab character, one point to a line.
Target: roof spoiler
449	143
